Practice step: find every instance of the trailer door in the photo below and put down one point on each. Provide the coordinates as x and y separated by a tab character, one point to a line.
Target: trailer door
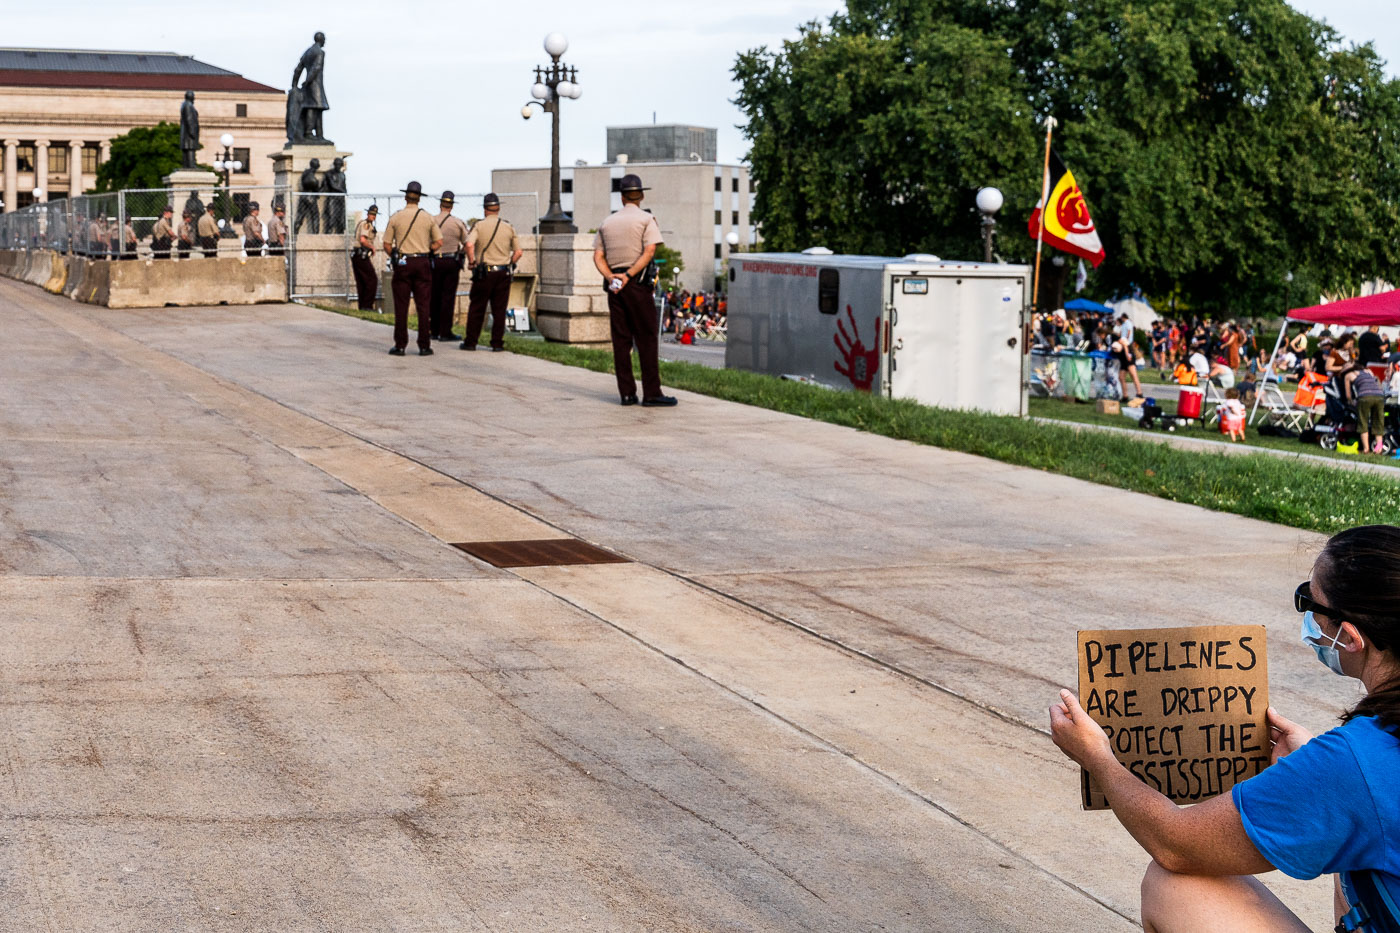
955	341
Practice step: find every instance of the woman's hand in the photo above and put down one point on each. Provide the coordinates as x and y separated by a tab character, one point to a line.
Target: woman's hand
1286	735
1076	734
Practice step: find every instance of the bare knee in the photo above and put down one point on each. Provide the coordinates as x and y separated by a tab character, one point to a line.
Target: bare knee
1156	895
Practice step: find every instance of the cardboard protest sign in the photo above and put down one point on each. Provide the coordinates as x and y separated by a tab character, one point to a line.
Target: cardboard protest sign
1184	708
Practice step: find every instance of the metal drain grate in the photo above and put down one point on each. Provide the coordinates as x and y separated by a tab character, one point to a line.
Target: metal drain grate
546	552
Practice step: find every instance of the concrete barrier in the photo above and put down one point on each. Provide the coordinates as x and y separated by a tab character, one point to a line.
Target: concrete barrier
149	283
58	274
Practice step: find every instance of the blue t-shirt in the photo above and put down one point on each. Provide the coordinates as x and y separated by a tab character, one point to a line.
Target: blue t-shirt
1331	806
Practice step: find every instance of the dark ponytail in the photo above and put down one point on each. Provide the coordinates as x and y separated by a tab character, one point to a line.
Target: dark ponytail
1359	570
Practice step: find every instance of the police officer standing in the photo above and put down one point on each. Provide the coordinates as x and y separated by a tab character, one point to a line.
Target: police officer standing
362	260
163	234
252	231
128	240
447	267
622	252
493	250
277	230
410	238
187	234
208	231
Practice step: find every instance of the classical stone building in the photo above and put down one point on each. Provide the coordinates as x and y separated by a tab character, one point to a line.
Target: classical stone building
696	202
60	109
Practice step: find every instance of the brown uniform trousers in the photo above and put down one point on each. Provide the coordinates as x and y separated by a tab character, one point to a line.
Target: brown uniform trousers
632	313
446	277
414	278
366	279
493	289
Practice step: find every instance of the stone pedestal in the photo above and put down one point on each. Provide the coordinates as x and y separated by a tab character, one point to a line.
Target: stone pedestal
571	305
287	166
186	183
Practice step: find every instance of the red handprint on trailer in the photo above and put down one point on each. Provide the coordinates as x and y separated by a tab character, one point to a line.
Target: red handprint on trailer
861	364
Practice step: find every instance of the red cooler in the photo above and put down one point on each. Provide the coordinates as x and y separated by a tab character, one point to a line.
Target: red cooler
1189	402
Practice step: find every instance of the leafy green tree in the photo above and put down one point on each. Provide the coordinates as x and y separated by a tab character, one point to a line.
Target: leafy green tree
669	259
1220	143
140	158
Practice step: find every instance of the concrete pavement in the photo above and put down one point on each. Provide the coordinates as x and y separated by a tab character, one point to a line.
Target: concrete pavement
250	685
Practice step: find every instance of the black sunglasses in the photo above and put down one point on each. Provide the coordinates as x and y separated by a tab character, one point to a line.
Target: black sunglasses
1303	602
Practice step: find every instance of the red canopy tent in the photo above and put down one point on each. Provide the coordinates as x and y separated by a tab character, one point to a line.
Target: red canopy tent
1382	308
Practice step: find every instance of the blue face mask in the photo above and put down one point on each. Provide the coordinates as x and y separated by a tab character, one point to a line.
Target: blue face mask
1323	646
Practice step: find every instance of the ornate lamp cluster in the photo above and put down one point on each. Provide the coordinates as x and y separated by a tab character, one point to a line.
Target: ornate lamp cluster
554	82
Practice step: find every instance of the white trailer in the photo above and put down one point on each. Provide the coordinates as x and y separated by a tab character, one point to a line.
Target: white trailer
947	334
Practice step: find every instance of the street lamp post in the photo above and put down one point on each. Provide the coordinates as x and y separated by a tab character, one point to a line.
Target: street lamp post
227	164
553	82
989	201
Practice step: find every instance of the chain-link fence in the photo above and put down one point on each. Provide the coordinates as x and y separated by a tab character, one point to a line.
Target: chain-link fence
314	230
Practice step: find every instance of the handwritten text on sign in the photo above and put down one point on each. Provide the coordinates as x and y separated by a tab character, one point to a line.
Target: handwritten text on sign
1183	707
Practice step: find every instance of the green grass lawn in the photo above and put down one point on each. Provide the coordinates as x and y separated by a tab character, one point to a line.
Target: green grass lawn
1297	493
1065	410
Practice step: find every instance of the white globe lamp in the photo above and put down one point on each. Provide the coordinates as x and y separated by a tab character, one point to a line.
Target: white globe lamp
989	200
555	44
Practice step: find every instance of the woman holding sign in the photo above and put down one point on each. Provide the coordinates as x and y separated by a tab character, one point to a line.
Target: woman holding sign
1326	805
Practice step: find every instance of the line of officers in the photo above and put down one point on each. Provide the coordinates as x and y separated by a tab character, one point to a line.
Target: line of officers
426	256
102	236
199	236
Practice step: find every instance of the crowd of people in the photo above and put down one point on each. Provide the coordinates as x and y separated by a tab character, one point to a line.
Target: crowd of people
691	316
1363	369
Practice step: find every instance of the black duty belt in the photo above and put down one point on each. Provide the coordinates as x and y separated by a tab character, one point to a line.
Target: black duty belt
415	255
620	268
505	268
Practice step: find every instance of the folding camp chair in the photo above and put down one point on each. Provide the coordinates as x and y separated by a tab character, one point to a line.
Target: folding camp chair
1280	410
1210	406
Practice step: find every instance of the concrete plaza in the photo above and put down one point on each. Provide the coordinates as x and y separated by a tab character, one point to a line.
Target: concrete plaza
247	683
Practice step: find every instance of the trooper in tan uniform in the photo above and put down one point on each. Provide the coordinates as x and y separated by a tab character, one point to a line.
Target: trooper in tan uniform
128	240
622	252
253	231
163	234
208	230
97	238
362	260
277	231
447	267
186	234
410	238
493	250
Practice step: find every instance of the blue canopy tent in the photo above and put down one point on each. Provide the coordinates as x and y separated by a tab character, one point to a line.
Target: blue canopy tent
1084	304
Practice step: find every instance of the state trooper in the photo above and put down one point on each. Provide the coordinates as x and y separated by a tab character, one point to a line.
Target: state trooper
208	231
447	267
410	238
277	230
252	231
163	234
493	250
186	234
622	252
362	260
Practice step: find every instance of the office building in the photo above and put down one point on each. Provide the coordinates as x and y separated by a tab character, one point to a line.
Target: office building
60	109
696	203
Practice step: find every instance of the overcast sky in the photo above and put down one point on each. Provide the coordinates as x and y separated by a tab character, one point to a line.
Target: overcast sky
433	90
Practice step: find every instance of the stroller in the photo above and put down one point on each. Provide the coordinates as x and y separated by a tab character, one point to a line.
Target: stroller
1339	424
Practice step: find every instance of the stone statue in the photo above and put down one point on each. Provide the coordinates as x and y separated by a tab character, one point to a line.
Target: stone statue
308	205
306	103
189	132
194	205
335	204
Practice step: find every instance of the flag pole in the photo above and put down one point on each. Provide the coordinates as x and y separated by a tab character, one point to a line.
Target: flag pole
1050	125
